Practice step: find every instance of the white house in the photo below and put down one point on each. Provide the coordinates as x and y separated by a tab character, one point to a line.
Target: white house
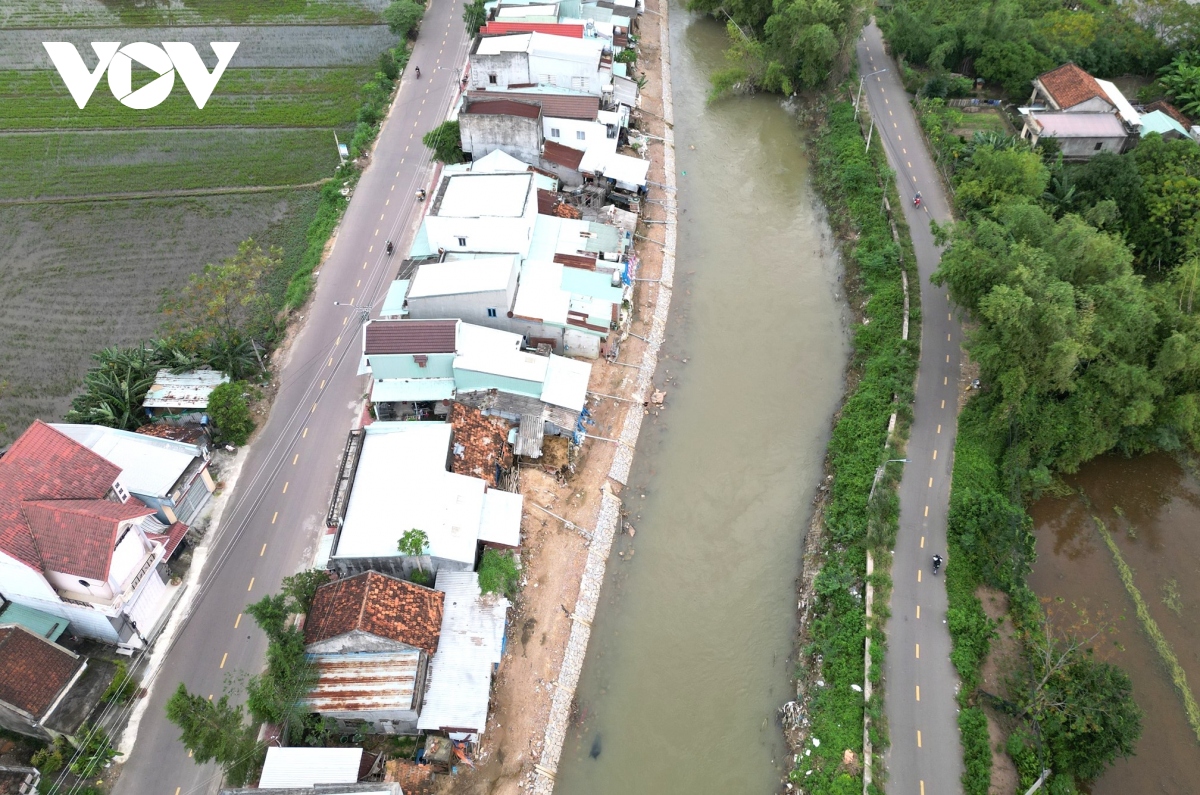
525	59
479	291
75	544
482	212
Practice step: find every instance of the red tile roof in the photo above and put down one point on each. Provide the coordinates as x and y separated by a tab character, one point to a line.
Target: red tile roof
411	336
1068	86
78	536
502	107
570	30
372	602
44	464
33	671
559	106
562	155
170	539
480	443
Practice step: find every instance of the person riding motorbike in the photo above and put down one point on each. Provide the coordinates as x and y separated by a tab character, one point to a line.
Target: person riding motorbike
937	563
917	199
417	69
421	195
390	248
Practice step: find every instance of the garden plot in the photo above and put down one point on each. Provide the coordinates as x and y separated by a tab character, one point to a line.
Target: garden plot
266	46
79	277
38	165
138	13
304	97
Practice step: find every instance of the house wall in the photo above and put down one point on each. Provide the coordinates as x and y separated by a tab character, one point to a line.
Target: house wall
356	641
19	580
471	381
569	129
548	70
487	235
402	365
532	328
581	344
499	71
513	135
400	566
18	720
1084	148
567	176
470	307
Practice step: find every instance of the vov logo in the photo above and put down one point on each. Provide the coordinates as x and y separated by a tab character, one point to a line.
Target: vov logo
165	61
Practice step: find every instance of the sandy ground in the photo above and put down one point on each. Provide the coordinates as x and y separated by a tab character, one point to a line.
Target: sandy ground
1001	657
553	556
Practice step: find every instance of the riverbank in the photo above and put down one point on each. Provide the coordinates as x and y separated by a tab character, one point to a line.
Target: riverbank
835	725
568	527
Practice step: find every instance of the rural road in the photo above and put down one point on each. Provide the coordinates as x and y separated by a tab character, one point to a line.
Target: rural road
272	524
925	757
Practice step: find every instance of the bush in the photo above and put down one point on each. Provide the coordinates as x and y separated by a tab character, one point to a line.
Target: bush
977	751
123	686
230	413
446	142
421	577
403	17
48	760
498	573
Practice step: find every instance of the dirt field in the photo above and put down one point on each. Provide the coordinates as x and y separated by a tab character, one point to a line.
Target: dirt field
553	557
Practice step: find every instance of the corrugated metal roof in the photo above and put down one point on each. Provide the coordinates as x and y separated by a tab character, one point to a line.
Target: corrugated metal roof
529	436
149	465
43	624
308	767
393	302
364	682
460	674
562	155
574	31
410	336
401	390
501	107
1078	125
1161	123
560	104
183	390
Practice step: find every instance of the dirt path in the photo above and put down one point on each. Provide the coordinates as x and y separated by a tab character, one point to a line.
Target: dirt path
162	194
521	745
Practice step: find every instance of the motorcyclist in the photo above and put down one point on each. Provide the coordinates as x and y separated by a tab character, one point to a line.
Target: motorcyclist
390	248
421	195
937	563
917	199
417	69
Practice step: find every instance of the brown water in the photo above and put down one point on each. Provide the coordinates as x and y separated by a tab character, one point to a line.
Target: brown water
1152	507
690	651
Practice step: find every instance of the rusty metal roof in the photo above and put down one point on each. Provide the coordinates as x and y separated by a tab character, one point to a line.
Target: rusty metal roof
554	104
562	155
362	682
501	107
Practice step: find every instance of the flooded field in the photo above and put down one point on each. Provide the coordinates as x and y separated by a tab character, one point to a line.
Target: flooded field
1151	506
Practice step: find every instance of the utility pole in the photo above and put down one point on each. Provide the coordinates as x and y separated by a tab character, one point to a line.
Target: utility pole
858	96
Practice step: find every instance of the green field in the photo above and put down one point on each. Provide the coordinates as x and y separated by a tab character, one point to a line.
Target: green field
244	97
147	13
57	164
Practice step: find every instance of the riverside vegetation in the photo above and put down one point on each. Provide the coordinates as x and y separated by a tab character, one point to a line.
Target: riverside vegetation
854	184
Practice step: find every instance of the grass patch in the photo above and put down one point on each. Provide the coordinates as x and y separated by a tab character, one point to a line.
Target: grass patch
76	164
982	120
291	97
138	13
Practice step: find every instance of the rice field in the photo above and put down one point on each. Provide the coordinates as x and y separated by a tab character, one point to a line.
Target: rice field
76	277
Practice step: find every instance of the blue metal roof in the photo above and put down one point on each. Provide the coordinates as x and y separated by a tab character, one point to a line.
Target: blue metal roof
48	626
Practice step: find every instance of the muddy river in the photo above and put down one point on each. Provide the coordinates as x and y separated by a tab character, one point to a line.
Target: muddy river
1151	506
690	654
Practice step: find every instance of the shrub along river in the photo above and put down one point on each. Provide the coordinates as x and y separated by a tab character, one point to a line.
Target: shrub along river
1151	508
691	651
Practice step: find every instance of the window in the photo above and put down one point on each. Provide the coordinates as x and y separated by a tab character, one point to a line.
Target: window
1098	146
462	241
85	583
491	311
580	135
492	79
555	132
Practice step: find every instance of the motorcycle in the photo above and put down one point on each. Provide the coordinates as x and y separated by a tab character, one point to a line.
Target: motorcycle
390	248
917	200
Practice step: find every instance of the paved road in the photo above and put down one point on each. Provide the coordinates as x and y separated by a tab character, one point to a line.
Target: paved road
925	756
277	512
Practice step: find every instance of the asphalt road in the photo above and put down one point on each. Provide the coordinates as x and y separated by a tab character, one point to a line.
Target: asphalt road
925	757
271	526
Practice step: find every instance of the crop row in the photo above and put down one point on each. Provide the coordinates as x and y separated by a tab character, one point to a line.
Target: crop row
244	98
137	13
68	164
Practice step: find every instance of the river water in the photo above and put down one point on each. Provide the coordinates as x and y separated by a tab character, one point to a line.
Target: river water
691	649
1151	505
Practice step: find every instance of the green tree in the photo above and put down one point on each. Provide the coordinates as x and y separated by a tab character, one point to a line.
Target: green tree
475	15
230	413
498	573
113	390
446	142
222	311
1012	64
413	543
1001	176
271	614
1181	81
276	695
301	588
214	731
403	17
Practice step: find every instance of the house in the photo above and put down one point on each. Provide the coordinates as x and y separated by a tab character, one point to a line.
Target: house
572	309
511	24
1069	89
171	477
479	291
509	125
471	645
41	624
564	110
402	481
46	691
182	393
1083	114
75	544
540	59
437	361
362	788
1164	124
482	213
310	767
370	638
1079	135
563	162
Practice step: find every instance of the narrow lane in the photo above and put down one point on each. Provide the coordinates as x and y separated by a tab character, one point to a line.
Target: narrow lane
275	517
925	757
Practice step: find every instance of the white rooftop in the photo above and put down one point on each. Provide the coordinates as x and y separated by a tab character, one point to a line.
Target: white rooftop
522	366
1078	125
566	382
308	767
402	483
485	195
501	518
1124	109
149	465
463	276
498	161
460	674
483	341
540	295
183	390
629	172
566	48
495	45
